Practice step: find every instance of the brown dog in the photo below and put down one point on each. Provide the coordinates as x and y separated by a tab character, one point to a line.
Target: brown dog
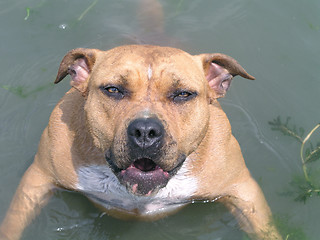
141	133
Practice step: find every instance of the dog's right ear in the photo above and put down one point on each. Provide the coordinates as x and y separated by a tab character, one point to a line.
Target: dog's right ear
78	63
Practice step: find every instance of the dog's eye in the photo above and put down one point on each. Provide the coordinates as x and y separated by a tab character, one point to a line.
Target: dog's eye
183	96
112	91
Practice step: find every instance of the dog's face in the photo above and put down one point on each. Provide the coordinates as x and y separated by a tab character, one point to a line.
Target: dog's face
146	107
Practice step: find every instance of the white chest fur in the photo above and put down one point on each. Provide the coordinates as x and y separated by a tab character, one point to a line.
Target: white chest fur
103	187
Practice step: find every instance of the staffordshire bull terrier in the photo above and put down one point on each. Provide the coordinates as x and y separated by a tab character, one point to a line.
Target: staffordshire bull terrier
141	134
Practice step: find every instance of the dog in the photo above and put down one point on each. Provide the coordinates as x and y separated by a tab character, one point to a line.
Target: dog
141	134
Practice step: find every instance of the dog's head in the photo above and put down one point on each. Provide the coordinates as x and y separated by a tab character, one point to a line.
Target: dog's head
147	107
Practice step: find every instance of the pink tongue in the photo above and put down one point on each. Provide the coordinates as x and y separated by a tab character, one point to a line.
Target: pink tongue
145	165
143	177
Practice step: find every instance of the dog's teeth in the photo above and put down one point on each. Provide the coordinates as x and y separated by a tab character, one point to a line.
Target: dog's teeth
135	187
166	174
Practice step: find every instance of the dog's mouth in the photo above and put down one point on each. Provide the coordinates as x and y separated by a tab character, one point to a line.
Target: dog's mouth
144	177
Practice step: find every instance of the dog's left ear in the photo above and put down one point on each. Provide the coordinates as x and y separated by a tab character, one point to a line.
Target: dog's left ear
219	69
78	63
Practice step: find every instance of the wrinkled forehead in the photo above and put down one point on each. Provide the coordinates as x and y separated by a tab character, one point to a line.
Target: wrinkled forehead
149	62
146	53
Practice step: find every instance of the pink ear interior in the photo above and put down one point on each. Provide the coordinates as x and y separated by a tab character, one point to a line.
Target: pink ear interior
79	72
219	79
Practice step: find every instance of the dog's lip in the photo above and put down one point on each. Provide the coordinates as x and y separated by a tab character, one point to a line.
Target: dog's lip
144	177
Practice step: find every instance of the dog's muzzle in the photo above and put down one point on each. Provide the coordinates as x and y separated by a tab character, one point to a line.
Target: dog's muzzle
145	137
144	174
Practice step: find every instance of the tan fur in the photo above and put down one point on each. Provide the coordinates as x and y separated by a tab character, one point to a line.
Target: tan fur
86	124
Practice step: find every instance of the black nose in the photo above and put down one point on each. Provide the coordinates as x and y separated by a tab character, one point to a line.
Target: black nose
145	132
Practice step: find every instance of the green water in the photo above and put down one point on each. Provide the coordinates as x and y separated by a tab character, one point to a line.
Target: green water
276	41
